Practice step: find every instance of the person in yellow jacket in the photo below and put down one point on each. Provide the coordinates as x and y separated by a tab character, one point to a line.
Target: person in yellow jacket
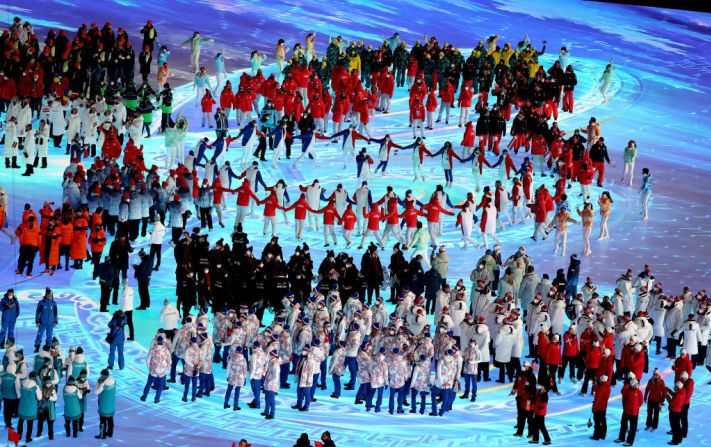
353	59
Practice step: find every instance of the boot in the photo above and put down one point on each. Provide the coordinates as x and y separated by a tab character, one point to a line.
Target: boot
14	163
44	162
7	162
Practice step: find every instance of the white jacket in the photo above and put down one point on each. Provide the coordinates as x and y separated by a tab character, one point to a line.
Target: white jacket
126	301
169	317
157	233
692	337
504	344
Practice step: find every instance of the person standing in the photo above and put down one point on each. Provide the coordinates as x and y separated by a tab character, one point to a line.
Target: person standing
106	392
156	241
10	393
236	376
30	396
632	400
116	338
540	408
126	306
47	410
630	156
646	192
271	384
676	404
605	203
45	318
586	217
688	391
158	362
10	308
654	396
601	389
142	274
72	407
29	235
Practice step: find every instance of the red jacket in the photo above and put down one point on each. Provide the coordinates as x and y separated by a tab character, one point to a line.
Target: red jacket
329	214
300	207
410	215
688	390
636	364
553	356
432	101
417	111
632	400
348	219
469	136
682	364
271	204
655	391
465	97
676	401
538	146
207	102
592	359
374	216
570	345
244	193
227	98
602	396
540	405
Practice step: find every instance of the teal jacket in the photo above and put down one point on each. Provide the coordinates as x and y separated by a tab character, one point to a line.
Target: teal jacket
30	395
72	406
106	391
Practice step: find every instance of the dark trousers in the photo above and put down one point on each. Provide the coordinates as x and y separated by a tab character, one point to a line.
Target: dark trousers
105	296
129	322
671	347
684	421
539	427
20	428
11	406
106	426
26	258
133	227
73	425
206	218
653	414
600	421
628	427
176	234
155	254
522	416
144	295
675	424
589	375
568	361
43	416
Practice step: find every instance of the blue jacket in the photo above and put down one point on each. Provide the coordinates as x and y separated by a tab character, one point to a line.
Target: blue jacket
114	201
246	133
10	308
306	139
106	273
46	312
204	199
134	207
144	269
116	329
175	215
219	145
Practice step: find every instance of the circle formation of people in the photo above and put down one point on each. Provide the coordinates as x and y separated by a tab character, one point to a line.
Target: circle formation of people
430	339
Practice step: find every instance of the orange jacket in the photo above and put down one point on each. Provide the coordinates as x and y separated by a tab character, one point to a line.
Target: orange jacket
66	230
97	241
28	233
55	237
78	250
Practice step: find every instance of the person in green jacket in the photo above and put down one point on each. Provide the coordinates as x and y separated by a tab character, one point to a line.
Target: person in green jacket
106	392
195	43
82	384
630	157
46	410
420	243
30	396
72	407
10	387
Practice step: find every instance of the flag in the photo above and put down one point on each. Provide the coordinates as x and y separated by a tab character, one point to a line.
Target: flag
13	437
318	444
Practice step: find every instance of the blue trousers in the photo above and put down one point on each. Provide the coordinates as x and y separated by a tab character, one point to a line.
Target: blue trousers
382	164
362	393
44	328
173	365
352	365
225	355
423	400
436	392
303	397
229	393
396	393
188	381
323	374
315	385
269	403
116	346
206	381
470	384
378	401
448	175
159	383
256	385
283	374
8	329
336	385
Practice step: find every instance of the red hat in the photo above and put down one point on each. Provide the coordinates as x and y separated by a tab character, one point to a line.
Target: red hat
480	319
176	198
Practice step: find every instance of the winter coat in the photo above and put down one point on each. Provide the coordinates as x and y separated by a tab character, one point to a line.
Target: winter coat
503	344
